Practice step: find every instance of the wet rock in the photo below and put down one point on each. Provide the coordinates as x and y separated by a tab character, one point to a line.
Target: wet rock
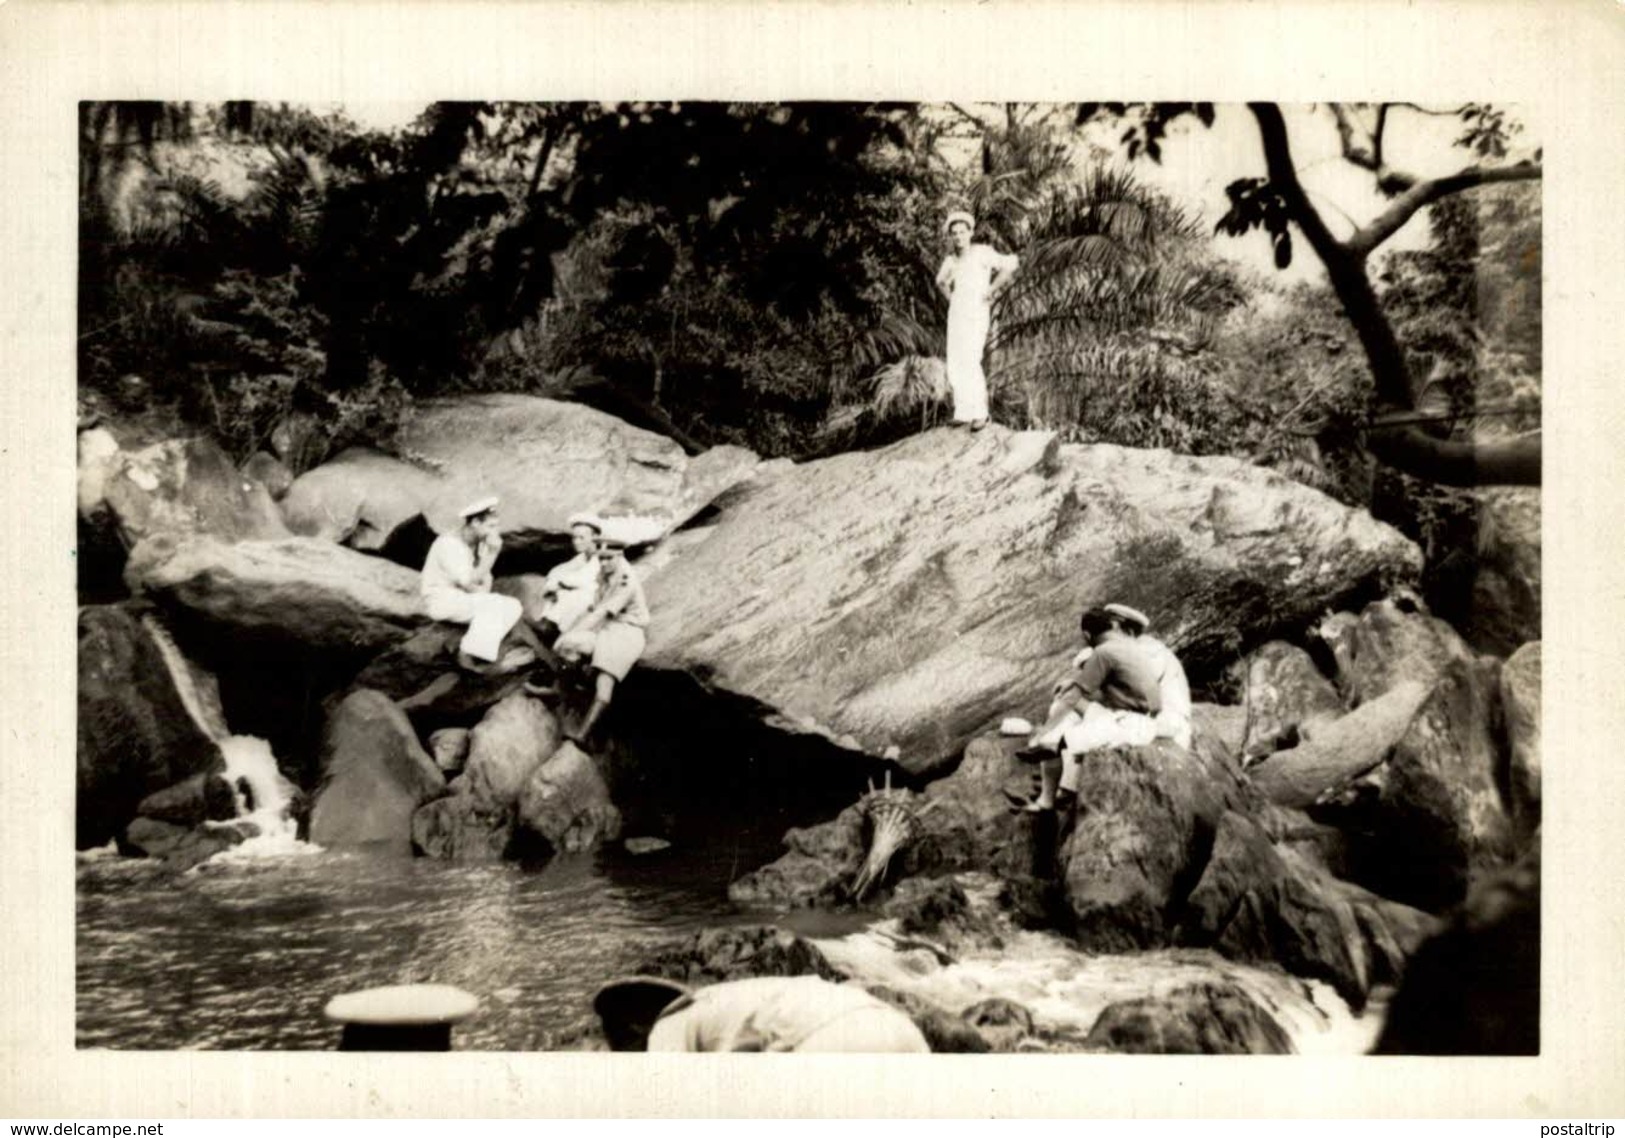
1520	709
455	828
1255	902
98	457
409	666
566	803
1437	814
136	735
639	847
183	847
1390	642
506	748
270	472
1144	820
191	802
374	777
1198	1019
299	592
545	459
1284	695
1005	1024
943	1031
449	746
964	911
188	486
917	594
735	953
1341	749
817	869
1474	989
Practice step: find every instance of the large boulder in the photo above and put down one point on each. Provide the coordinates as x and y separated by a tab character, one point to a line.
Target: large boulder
1285	697
1258	902
146	719
1144	820
188	486
505	749
914	595
375	775
565	803
456	828
817	868
1520	708
302	592
545	459
201	798
1340	750
1195	1019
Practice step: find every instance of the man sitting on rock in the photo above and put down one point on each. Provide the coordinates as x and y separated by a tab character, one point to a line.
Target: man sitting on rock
1111	700
456	587
570	587
763	1013
611	632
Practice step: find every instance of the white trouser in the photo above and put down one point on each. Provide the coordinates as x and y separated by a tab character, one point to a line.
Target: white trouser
489	617
1095	729
967	339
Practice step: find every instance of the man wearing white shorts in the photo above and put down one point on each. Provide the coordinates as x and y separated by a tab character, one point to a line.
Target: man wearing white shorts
612	632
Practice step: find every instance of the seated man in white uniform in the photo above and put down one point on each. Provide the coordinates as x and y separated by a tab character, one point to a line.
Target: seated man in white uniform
764	1013
611	632
571	586
456	587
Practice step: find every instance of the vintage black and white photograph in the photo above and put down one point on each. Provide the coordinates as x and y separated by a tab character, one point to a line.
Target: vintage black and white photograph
811	576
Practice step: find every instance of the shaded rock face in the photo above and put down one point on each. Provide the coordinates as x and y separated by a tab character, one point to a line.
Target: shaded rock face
191	802
566	804
455	828
270	472
1388	643
1285	697
188	486
1520	707
300	592
1474	989
136	735
817	869
736	953
375	775
916	594
545	459
409	665
1436	814
1198	1019
1256	902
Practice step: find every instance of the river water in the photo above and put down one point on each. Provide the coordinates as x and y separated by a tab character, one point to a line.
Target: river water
242	953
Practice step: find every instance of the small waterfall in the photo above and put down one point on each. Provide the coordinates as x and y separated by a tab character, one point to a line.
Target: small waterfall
264	797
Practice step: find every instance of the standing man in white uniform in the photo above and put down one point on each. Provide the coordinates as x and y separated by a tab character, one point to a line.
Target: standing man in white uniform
971	277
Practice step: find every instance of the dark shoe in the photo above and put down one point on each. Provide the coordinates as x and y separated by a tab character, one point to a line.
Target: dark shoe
1035	753
978	424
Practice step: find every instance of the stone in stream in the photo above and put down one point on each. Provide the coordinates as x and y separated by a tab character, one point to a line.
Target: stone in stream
565	802
201	798
735	953
375	775
1196	1019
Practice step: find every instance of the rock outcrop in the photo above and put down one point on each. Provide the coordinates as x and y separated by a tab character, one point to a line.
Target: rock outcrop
136	733
300	592
1503	609
1341	749
566	803
914	595
375	775
545	459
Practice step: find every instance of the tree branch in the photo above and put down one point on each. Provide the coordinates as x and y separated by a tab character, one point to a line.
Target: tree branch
1405	448
1391	220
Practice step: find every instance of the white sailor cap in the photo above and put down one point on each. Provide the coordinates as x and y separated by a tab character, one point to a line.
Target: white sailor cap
955	216
590	520
475	509
1132	615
